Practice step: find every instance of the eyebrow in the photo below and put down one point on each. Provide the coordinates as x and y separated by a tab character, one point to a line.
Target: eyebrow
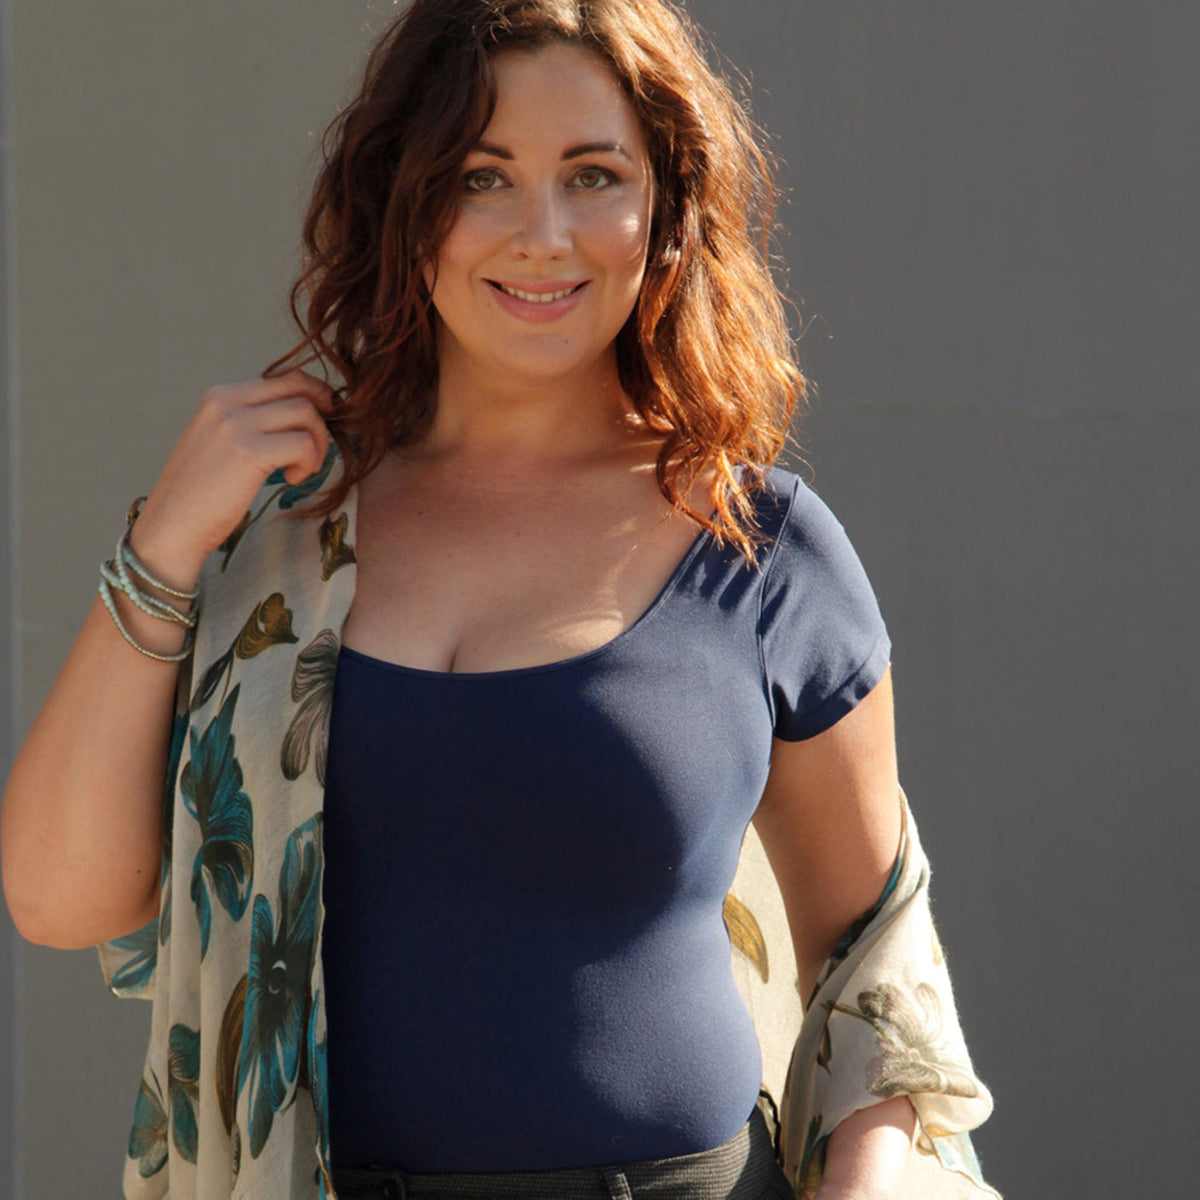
570	152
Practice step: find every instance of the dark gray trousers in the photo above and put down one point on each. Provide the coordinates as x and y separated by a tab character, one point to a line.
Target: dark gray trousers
744	1168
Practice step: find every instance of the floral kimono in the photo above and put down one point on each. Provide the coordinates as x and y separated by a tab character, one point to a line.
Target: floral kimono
233	1098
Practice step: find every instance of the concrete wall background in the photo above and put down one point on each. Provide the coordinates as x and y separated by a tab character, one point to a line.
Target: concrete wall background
8	666
989	231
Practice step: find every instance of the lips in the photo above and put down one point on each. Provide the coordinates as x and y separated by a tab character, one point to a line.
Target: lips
537	293
537	302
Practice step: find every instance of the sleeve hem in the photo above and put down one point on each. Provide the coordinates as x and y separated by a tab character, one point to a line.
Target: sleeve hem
845	697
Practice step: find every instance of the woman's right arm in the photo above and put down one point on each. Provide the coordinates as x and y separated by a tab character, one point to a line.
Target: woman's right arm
81	825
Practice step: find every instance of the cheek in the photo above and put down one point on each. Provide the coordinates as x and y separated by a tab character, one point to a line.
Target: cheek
627	239
462	249
477	233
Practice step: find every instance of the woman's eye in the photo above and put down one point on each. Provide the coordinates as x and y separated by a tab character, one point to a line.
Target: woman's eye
592	178
485	179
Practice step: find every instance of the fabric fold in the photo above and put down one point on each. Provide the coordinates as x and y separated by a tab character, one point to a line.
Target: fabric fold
881	1023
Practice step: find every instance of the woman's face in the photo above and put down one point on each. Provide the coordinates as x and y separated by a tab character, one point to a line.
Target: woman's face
545	259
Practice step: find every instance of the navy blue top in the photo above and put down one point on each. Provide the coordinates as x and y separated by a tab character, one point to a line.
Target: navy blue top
526	965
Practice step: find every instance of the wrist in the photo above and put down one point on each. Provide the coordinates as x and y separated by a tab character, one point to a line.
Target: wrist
135	596
164	557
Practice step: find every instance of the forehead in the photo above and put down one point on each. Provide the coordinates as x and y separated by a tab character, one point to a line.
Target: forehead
561	91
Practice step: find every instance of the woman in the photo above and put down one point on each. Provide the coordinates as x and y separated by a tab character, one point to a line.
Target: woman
458	777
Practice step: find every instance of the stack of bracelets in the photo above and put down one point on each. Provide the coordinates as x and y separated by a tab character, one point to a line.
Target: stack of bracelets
119	572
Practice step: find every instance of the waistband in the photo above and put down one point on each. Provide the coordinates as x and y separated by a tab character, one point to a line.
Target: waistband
743	1168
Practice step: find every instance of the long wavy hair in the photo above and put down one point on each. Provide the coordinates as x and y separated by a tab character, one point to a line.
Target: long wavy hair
706	356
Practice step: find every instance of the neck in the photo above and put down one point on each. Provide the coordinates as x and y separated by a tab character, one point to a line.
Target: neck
481	414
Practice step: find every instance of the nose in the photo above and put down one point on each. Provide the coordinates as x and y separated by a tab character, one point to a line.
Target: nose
544	225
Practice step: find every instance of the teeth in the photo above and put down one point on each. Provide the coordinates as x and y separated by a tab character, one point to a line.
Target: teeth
542	298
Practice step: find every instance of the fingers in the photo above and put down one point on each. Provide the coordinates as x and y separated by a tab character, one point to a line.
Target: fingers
293	413
294	383
294	451
247	417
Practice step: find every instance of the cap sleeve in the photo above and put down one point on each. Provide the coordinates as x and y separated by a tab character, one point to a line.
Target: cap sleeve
823	641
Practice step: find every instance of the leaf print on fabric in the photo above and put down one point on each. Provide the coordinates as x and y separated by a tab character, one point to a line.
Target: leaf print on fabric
812	1162
335	552
825	1050
288	496
148	1138
235	1154
276	1016
912	1058
229	1048
312	689
269	624
183	1089
135	974
231	543
211	786
746	935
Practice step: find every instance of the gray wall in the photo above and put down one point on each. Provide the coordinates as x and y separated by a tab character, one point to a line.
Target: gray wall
993	228
8	666
987	226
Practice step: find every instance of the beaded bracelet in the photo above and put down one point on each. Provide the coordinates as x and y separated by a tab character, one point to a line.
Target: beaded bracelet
118	572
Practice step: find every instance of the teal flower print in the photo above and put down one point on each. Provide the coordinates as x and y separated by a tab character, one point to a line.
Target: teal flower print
318	1085
211	785
136	972
294	493
148	1138
275	1025
183	1089
178	736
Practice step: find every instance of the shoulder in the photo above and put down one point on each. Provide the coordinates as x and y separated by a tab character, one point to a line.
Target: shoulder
823	639
803	534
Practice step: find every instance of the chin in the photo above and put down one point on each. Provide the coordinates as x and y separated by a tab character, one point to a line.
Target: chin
546	367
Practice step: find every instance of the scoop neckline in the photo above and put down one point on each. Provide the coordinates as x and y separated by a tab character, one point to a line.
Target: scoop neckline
699	543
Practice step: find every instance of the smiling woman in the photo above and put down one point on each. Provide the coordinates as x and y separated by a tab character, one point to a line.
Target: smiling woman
703	354
532	751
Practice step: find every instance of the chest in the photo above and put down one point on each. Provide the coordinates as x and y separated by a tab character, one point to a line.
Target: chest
470	575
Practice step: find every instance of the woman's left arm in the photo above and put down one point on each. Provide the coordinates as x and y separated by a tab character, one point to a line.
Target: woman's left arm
830	822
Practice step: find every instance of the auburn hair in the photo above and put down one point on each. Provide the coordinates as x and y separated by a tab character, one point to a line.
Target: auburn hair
706	356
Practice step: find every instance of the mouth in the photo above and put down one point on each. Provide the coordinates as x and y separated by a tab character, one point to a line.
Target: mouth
544	294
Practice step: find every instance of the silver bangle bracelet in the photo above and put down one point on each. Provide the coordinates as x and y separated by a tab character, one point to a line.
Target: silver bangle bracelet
118	573
109	603
131	560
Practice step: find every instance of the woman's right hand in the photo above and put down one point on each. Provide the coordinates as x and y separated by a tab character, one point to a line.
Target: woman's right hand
240	433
